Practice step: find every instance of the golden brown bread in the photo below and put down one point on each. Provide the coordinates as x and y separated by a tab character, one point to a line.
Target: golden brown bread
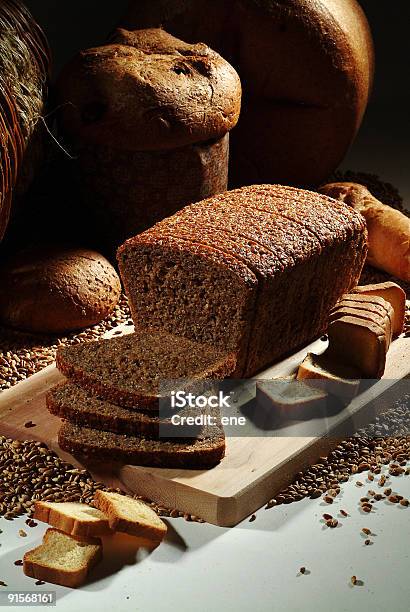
53	289
147	90
63	559
73	518
389	229
306	69
149	118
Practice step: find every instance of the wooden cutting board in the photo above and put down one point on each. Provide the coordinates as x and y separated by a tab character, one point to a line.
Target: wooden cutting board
253	471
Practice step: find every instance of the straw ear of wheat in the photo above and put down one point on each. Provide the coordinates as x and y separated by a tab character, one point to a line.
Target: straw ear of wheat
24	75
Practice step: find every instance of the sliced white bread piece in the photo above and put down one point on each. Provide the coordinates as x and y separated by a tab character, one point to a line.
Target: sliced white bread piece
62	559
369	312
288	398
359	343
130	515
73	518
392	293
339	379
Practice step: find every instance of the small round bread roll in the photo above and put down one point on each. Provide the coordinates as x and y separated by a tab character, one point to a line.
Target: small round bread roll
53	289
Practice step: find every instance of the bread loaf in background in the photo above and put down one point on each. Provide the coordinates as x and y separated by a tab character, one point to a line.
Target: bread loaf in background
389	229
306	70
54	289
149	117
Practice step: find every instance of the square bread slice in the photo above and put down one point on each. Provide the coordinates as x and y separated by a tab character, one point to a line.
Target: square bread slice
359	343
288	398
392	293
130	515
62	559
73	518
338	379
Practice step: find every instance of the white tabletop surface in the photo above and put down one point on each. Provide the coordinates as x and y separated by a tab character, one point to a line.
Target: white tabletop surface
254	566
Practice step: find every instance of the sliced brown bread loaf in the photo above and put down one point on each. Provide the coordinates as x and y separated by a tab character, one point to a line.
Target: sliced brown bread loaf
129	370
201	293
268	259
201	453
299	281
74	404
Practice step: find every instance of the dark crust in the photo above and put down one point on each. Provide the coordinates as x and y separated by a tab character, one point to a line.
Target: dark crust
68	403
148	90
92	444
219	370
331	242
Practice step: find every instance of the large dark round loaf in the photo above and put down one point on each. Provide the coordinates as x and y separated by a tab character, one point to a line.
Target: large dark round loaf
306	70
149	116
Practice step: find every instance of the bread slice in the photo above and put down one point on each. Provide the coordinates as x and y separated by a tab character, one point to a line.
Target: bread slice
62	559
374	313
290	399
359	343
132	370
73	518
392	293
130	515
333	376
74	404
201	453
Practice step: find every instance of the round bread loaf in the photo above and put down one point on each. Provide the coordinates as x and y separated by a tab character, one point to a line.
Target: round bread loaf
147	90
306	70
149	117
54	289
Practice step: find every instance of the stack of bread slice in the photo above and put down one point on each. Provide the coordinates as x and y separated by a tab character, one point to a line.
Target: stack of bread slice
362	326
73	545
110	403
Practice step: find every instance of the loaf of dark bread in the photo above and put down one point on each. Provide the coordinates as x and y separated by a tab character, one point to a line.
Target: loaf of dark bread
202	453
149	116
295	254
138	369
306	70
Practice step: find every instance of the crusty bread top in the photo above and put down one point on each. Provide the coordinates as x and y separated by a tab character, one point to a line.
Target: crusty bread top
319	211
147	90
306	69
